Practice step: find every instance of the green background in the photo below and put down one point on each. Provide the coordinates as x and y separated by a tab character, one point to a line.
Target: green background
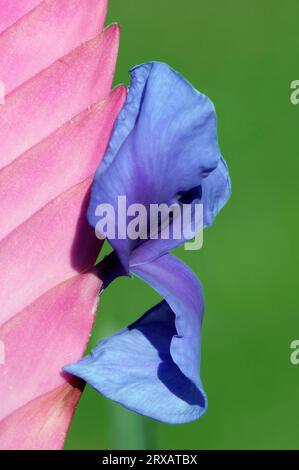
243	55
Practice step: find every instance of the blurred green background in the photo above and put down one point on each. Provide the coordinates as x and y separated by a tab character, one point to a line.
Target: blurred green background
243	54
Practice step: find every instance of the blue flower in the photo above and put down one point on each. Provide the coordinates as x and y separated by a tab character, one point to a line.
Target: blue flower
163	149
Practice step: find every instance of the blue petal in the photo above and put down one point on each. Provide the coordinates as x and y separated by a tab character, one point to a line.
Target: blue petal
152	367
216	189
164	143
179	286
213	194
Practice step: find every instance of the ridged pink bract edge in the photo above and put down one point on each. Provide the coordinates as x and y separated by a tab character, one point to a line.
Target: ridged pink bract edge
55	126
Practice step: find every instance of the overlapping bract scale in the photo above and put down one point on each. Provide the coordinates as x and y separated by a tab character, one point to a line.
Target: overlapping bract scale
57	67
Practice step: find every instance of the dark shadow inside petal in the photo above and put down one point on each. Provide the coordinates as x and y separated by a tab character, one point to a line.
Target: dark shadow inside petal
158	327
182	387
189	196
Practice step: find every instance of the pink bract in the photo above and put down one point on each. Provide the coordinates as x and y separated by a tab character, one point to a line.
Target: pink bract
57	67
